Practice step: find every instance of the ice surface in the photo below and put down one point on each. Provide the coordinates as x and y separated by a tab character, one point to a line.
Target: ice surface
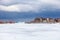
22	31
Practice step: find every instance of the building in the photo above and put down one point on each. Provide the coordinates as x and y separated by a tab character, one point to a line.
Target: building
57	20
50	20
38	20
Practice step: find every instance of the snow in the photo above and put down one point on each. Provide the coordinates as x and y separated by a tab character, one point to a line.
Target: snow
22	31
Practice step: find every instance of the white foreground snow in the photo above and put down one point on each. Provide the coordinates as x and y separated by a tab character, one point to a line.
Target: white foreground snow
21	31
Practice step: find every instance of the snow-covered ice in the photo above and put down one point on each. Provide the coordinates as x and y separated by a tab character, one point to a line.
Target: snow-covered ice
22	31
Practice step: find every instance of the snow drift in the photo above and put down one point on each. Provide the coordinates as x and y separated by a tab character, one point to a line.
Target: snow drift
22	31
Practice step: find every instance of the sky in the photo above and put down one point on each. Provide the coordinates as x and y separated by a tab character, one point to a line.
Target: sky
45	8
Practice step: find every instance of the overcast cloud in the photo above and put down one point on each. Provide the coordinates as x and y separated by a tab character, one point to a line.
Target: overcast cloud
29	5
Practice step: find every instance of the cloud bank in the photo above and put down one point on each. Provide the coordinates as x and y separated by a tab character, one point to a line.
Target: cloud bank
17	7
29	5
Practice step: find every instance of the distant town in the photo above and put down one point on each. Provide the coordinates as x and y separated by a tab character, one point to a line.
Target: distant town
5	22
45	20
35	20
